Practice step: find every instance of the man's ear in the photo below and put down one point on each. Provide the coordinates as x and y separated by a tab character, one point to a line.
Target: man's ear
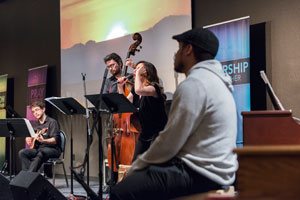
188	50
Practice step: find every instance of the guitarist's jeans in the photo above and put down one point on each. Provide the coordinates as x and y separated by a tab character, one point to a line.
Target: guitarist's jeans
32	159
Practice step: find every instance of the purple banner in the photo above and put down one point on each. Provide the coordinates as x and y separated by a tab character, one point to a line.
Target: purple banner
37	79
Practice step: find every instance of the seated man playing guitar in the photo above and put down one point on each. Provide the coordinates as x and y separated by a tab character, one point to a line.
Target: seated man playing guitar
45	144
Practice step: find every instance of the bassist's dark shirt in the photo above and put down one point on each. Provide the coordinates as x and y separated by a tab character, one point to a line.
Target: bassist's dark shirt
110	85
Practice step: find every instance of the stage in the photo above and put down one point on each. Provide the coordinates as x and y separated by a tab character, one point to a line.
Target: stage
78	190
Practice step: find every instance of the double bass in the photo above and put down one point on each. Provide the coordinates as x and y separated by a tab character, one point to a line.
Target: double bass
125	126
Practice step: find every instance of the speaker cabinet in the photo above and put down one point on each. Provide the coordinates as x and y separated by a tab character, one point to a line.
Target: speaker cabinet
5	192
32	185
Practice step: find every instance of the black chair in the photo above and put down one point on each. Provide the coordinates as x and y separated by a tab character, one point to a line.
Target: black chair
55	161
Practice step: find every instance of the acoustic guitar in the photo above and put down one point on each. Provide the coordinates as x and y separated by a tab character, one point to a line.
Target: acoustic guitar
35	142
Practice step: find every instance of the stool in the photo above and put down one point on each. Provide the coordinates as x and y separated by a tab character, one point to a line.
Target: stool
225	194
122	171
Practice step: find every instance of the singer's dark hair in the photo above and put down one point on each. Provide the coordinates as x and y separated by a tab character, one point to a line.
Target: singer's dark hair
115	57
151	75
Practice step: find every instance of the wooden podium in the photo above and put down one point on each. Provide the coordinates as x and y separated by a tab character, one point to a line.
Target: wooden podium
269	162
270	128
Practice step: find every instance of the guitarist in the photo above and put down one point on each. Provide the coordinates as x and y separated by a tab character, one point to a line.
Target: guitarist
46	143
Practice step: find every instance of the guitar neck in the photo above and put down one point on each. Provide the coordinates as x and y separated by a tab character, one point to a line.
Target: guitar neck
42	131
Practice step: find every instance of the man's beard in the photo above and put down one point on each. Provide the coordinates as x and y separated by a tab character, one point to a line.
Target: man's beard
117	72
179	67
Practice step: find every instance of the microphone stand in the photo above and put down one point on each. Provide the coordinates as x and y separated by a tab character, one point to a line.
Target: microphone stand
89	138
97	121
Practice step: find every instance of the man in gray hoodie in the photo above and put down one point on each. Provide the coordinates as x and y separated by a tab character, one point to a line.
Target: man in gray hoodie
193	154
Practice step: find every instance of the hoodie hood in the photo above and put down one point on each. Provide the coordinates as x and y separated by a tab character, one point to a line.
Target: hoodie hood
215	67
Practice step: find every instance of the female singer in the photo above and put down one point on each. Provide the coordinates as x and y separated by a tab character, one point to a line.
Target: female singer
148	96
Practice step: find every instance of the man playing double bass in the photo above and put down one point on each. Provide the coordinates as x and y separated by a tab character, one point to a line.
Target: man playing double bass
114	64
147	95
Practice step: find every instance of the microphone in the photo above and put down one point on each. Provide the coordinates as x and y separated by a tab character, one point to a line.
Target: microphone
129	76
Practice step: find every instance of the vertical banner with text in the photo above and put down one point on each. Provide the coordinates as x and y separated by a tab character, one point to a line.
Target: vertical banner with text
3	88
37	80
234	54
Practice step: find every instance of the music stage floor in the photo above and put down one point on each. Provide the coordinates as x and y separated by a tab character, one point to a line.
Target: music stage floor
78	190
60	184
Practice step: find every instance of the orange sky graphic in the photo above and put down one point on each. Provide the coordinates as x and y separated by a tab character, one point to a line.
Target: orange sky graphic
99	20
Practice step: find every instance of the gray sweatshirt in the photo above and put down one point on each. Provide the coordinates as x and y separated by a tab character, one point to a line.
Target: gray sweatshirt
202	126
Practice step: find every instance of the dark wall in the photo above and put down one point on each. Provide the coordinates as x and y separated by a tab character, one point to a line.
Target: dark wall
282	41
29	37
257	64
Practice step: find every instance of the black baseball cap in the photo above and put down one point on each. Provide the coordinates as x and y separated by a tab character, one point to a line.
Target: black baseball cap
200	37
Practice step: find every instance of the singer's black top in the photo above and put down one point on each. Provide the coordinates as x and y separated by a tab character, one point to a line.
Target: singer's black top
152	114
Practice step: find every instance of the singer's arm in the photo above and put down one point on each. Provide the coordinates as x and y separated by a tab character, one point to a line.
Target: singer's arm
139	87
121	81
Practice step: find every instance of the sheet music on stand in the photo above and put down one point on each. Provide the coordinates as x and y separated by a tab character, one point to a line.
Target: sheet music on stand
275	100
12	128
20	126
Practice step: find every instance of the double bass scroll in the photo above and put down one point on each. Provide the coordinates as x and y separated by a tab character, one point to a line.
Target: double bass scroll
134	47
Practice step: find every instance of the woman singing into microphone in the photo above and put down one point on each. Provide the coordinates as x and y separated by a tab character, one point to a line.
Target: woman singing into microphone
148	96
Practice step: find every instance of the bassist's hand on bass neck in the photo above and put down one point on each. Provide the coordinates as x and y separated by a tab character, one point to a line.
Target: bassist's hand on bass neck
129	62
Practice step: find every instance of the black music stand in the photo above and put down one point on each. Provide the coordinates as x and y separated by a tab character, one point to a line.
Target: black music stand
12	128
68	106
95	99
109	103
10	113
99	107
118	103
115	103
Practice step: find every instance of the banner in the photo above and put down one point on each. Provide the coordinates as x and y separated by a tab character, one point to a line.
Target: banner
37	80
3	88
234	54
